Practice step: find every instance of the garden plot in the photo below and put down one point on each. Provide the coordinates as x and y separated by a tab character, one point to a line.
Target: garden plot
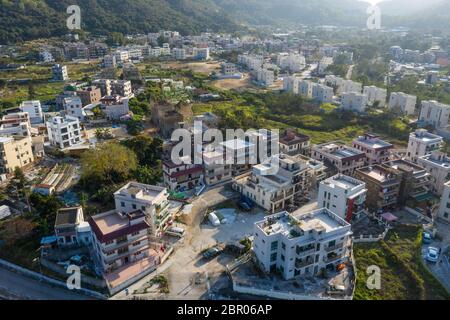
60	177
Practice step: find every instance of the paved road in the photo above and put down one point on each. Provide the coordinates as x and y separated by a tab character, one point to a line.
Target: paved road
16	286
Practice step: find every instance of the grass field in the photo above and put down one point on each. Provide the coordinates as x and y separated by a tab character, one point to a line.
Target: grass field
403	274
40	75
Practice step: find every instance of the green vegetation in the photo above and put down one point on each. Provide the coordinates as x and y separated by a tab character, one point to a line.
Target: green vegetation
321	123
26	19
34	82
403	274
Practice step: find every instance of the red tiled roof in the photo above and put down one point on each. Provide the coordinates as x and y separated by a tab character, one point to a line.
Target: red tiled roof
186	172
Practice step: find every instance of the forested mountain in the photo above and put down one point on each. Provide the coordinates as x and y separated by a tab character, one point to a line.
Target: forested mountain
29	19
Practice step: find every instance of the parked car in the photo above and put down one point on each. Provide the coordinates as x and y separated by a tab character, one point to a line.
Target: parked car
212	252
426	237
433	254
176	232
244	206
214	219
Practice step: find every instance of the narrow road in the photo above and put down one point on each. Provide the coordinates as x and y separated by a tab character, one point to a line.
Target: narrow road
350	72
14	286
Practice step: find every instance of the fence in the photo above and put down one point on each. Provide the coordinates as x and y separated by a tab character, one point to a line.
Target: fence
40	277
418	214
371	238
99	283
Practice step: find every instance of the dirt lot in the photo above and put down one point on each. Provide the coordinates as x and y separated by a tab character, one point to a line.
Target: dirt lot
119	133
234	84
206	67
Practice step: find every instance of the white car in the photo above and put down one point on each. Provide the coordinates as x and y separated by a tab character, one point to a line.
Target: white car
432	254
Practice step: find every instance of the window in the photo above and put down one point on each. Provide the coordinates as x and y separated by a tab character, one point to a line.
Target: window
274	246
283	246
273	257
122	204
282	258
134	206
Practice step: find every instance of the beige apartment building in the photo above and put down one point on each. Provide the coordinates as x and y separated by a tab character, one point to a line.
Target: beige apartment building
15	152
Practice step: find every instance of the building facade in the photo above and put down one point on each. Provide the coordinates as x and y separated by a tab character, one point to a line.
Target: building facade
301	244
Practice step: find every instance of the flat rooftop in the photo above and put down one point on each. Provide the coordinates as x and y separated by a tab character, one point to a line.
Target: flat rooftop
426	136
373	142
141	191
236	144
377	173
299	224
343	182
442	161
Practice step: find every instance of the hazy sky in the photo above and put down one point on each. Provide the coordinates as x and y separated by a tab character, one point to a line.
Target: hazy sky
401	7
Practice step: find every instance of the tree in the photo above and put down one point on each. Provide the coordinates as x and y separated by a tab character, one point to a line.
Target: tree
109	163
147	150
148	175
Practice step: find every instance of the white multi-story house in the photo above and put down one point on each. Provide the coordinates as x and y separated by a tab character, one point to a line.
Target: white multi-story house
114	87
421	142
305	89
16	124
437	165
251	62
265	77
64	132
109	61
104	85
354	101
404	102
293	62
444	208
350	86
301	244
376	150
291	84
201	53
275	188
115	107
343	159
34	110
122	56
342	85
60	73
74	107
375	94
122	88
435	114
150	199
165	50
155	52
343	195
179	53
322	93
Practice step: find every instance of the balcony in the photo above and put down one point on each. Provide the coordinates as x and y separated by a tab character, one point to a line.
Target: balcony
306	252
300	264
332	258
335	247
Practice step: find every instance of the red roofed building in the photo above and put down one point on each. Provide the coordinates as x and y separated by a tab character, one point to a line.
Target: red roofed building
293	143
181	177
